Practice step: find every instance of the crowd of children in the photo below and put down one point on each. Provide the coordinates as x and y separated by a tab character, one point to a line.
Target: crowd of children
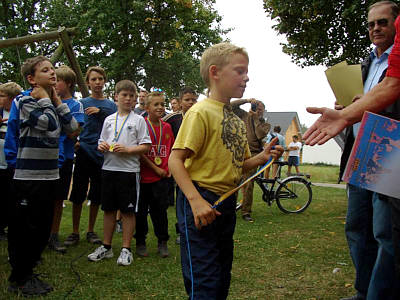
124	159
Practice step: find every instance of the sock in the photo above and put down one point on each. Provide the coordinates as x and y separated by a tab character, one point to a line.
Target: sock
108	247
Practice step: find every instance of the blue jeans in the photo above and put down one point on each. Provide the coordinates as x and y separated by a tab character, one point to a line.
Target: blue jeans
369	236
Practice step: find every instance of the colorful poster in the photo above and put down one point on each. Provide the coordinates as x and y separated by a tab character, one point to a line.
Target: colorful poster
374	162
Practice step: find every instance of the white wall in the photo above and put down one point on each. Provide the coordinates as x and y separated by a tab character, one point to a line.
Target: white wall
328	153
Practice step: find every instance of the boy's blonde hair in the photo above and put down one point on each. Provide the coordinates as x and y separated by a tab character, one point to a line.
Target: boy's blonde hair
67	75
11	89
29	66
126	85
97	69
151	95
218	55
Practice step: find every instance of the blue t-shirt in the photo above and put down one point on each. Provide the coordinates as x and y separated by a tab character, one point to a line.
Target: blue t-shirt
93	124
66	144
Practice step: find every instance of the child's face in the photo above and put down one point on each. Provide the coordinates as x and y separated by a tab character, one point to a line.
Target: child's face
233	76
96	82
187	101
62	88
44	76
5	101
156	107
126	100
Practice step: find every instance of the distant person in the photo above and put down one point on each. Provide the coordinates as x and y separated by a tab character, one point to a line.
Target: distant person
123	139
140	108
208	158
8	92
88	159
175	105
281	141
294	154
256	129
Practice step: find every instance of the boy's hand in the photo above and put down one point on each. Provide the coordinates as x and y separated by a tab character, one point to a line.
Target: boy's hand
92	110
203	213
76	146
271	149
103	147
39	93
120	148
55	99
162	173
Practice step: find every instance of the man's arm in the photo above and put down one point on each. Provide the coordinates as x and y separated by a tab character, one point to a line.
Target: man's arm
332	122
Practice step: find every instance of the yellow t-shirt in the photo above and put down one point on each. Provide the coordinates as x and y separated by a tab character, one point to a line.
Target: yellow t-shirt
218	139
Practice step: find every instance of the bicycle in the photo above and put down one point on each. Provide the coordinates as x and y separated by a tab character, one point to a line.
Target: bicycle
292	194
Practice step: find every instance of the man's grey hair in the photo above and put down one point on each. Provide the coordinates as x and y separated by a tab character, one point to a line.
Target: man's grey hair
393	6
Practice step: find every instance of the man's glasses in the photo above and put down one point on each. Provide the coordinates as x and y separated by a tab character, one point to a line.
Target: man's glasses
380	22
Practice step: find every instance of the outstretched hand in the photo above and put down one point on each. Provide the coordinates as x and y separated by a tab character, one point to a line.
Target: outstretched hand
328	125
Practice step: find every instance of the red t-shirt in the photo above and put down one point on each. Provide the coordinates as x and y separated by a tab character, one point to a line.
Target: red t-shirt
394	57
167	141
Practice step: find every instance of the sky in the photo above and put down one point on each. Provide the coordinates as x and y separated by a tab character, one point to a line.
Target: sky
274	79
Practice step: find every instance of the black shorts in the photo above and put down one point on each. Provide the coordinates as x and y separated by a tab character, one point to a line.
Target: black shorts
85	169
119	191
64	182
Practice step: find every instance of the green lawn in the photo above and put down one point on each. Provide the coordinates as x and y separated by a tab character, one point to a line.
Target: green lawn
277	257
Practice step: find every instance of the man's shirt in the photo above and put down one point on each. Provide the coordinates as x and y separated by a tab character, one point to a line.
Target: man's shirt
378	65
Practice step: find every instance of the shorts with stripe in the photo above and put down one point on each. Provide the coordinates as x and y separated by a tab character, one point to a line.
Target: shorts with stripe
119	191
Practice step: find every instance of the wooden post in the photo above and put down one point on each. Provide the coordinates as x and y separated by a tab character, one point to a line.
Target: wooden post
57	54
52	35
63	34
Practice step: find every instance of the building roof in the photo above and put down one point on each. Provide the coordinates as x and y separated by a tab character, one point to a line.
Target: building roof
283	119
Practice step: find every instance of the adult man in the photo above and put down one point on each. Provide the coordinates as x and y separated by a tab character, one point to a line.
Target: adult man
257	129
368	226
294	154
140	108
281	141
175	105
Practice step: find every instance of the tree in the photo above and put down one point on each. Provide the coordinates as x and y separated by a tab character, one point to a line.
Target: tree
154	43
322	32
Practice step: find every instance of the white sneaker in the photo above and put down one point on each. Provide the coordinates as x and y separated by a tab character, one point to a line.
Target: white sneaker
125	258
100	253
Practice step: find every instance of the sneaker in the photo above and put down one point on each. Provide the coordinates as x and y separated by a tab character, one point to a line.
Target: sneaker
44	284
54	244
32	287
92	238
141	250
247	218
88	203
125	258
163	249
100	253
72	239
118	227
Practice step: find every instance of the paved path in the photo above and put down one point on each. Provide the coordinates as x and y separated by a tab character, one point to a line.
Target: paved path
332	185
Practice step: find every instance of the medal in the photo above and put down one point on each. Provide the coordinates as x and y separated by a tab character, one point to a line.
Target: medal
117	133
157	160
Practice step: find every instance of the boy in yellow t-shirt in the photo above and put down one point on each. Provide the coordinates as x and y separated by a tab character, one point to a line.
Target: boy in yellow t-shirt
208	158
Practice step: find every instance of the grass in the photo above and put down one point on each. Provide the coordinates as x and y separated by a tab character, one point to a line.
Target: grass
321	173
278	256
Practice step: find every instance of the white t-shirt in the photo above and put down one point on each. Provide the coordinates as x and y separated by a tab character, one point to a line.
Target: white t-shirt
295	152
133	133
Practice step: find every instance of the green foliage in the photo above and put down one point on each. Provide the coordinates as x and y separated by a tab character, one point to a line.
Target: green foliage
322	32
154	43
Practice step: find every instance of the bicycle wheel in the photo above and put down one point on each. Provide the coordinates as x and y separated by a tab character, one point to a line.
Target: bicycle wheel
293	195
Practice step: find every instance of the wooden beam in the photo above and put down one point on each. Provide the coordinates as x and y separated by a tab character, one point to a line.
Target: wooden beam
52	35
57	54
66	42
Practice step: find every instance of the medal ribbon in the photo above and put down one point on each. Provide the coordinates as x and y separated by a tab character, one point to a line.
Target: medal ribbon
155	136
118	133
